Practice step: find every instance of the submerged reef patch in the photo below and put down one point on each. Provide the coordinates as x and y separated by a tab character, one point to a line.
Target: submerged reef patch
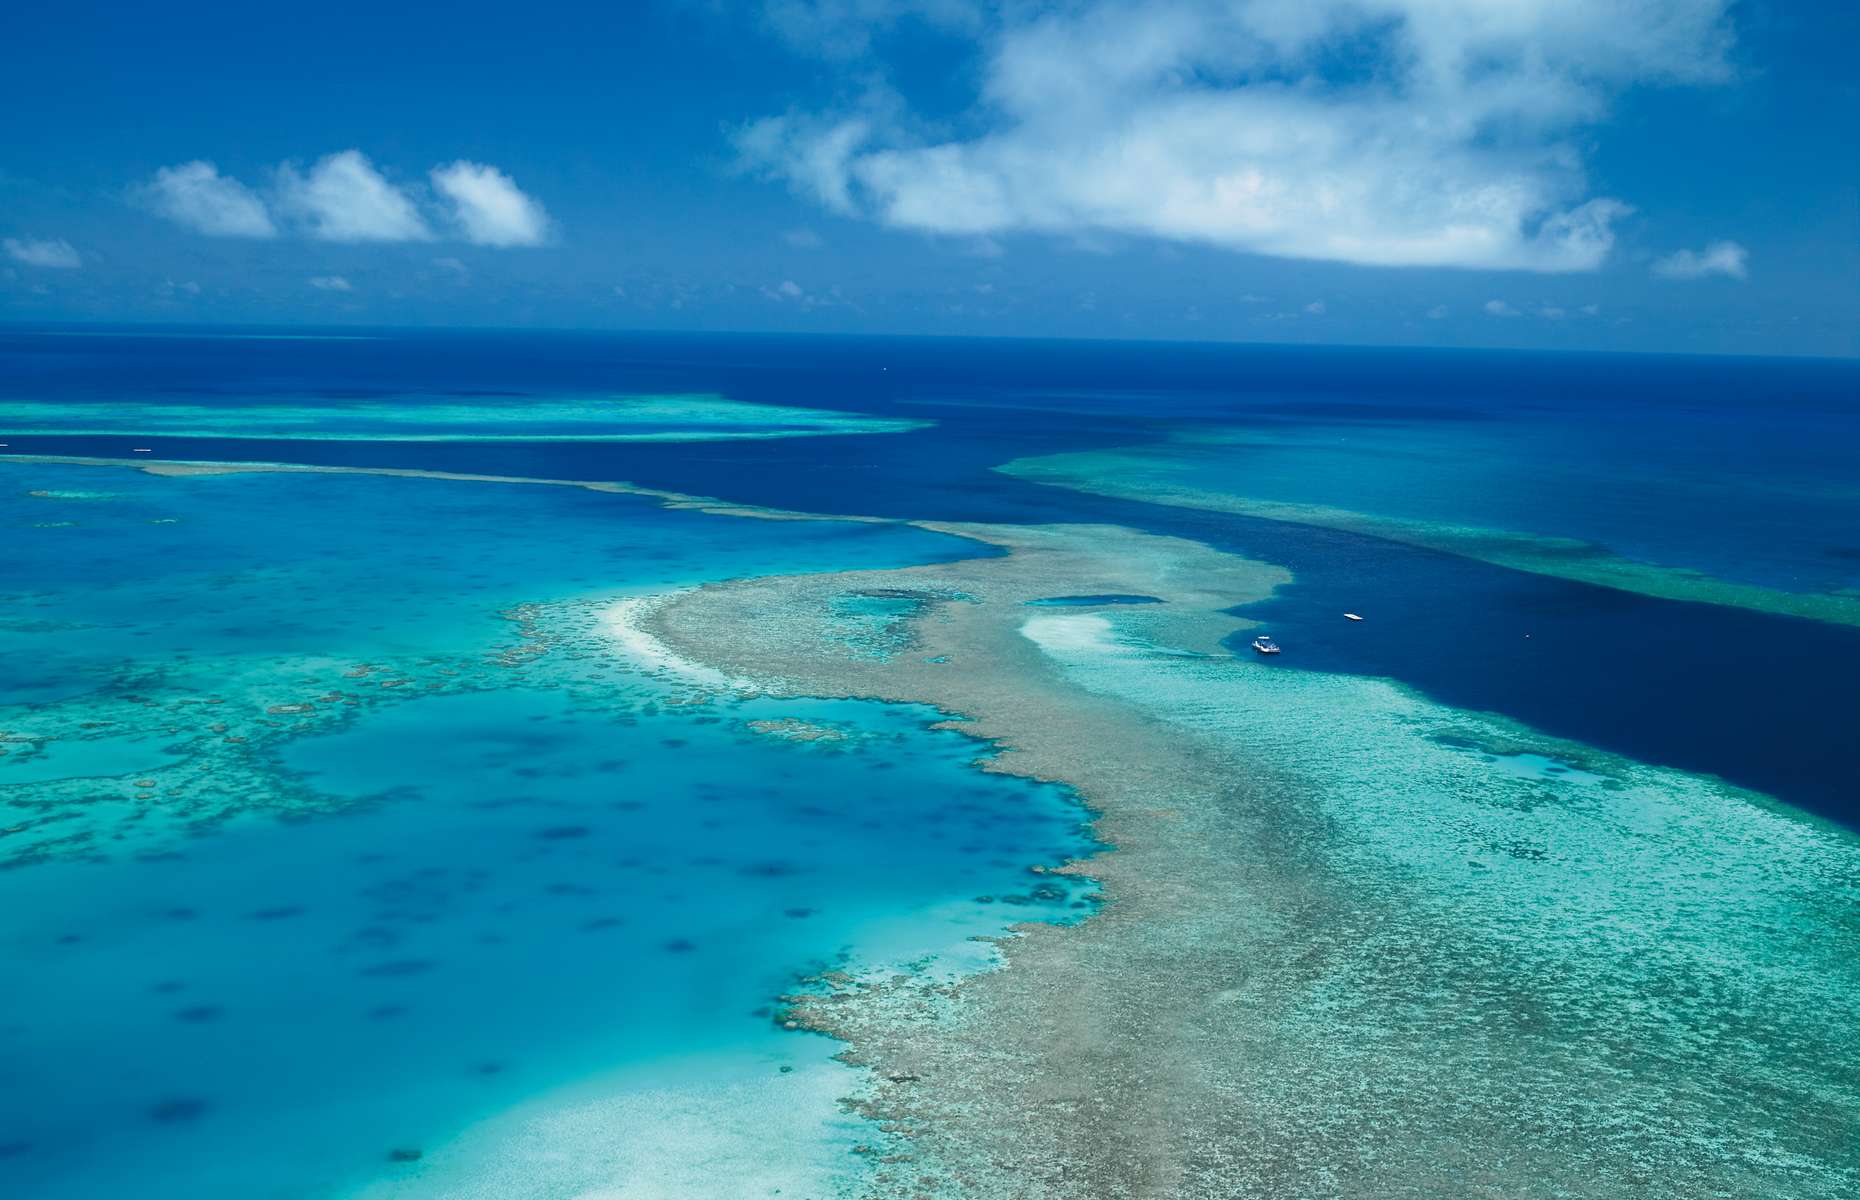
1151	475
597	418
1347	935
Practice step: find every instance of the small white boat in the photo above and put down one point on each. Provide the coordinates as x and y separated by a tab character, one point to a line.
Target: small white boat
1265	645
1352	616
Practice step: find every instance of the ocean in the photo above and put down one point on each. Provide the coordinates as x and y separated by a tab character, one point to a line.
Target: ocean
357	841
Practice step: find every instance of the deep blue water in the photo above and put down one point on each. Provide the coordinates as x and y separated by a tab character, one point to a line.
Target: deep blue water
1765	701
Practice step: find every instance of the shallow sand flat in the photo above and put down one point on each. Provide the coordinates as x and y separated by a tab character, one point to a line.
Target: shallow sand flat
1354	944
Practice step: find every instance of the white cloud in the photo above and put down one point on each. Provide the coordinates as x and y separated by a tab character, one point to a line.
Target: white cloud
1452	138
803	239
196	195
345	199
787	289
1719	258
43	252
816	158
1315	308
1499	308
1437	313
456	266
489	207
330	283
1551	312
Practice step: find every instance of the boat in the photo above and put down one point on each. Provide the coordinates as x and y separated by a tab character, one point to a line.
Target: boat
1352	616
1265	645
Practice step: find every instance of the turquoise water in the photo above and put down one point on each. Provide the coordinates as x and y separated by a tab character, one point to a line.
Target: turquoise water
278	928
1092	601
27	761
542	889
333	416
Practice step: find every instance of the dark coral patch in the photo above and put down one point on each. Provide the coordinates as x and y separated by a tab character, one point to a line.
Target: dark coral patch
177	1109
768	870
374	936
398	968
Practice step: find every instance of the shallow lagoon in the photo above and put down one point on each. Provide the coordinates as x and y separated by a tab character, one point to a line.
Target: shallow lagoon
535	891
280	929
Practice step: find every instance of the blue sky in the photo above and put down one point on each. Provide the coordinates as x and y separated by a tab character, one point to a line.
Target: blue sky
1590	174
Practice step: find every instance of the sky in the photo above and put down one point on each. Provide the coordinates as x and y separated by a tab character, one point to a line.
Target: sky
1629	175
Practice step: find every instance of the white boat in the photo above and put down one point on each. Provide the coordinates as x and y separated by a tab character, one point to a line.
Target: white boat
1265	645
1352	616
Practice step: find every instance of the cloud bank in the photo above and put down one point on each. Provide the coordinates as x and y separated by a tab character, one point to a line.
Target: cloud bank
344	198
1385	132
43	252
1719	258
